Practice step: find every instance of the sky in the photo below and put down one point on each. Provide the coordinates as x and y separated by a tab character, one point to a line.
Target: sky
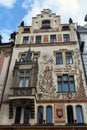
12	12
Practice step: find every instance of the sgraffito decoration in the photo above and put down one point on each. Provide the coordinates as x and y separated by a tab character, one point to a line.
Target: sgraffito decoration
47	88
47	85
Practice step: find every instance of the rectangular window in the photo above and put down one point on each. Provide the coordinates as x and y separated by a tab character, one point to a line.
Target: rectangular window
38	39
68	57
71	81
60	84
24	79
53	38
66	38
66	83
59	58
25	40
18	115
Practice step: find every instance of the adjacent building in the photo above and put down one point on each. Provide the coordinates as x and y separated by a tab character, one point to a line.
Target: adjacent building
5	59
45	87
82	36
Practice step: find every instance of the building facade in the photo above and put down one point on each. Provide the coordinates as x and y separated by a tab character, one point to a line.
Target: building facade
82	35
46	86
5	59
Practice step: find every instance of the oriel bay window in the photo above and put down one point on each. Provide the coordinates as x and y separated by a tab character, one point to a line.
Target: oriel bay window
24	79
66	83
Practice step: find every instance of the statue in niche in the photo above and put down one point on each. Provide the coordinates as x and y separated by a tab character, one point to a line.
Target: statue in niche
29	55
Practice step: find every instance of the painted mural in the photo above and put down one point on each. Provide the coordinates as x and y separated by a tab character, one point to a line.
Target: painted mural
47	78
47	87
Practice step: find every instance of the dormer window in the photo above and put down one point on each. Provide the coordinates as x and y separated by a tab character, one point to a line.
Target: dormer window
46	24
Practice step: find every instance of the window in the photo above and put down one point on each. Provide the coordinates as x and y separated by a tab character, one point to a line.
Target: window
25	40
46	24
53	38
38	39
59	58
24	79
66	83
26	115
71	83
68	57
64	28
49	114
79	114
40	115
35	57
70	118
18	115
23	56
66	38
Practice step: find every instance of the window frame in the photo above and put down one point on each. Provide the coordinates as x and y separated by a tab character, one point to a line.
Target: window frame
66	37
69	58
79	115
70	114
25	40
45	24
38	39
62	88
24	78
59	58
48	110
53	38
40	119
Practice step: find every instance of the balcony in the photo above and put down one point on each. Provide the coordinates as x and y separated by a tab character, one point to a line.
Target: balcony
17	91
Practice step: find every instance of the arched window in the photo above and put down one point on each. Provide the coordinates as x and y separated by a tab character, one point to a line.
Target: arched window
40	115
49	114
70	114
79	114
26	115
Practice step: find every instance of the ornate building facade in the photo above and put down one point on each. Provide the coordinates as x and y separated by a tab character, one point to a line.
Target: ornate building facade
45	87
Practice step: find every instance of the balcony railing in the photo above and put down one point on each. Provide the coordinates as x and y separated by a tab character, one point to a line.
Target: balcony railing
23	91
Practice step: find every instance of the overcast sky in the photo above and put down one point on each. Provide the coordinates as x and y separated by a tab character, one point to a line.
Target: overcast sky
12	12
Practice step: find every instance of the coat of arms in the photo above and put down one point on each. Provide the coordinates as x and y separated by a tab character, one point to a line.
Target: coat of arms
59	112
